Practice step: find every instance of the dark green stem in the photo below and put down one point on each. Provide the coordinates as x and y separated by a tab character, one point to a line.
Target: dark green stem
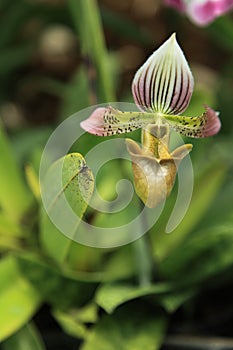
143	261
143	257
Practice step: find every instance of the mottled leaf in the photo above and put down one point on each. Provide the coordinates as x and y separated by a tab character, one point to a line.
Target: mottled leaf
67	188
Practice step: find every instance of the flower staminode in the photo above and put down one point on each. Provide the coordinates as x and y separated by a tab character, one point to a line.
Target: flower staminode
162	89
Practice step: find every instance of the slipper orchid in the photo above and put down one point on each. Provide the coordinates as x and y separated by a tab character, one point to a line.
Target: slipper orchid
161	89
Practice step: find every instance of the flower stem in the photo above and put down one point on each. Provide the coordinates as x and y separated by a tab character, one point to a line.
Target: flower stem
143	261
143	257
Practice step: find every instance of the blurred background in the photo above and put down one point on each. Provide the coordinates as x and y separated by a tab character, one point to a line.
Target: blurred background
56	58
47	59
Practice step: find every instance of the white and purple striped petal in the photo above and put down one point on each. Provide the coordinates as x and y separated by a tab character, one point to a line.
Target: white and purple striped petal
164	84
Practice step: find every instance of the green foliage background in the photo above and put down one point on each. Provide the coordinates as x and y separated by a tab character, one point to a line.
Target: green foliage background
97	296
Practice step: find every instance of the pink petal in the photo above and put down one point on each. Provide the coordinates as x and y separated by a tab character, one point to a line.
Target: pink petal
206	11
213	124
95	123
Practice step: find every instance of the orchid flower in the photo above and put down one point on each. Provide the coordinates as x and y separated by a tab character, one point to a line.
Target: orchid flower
161	89
202	12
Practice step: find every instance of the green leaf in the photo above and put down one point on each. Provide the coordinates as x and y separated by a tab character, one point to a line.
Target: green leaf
110	296
132	327
9	228
74	321
88	23
26	338
221	208
15	57
124	27
206	188
75	95
26	144
53	241
120	265
13	20
33	180
77	186
205	255
57	287
8	242
84	258
173	300
221	30
18	298
14	197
